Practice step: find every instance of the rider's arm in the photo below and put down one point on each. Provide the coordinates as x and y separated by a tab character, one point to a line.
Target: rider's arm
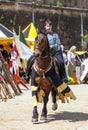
58	42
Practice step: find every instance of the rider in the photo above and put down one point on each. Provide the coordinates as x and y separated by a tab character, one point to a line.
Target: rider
55	50
55	47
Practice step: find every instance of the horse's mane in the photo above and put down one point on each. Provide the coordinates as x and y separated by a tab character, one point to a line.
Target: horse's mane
45	34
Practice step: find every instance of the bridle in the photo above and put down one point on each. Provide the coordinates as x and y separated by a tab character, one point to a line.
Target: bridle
39	40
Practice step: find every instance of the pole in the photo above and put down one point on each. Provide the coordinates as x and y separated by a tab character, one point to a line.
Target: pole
33	19
82	30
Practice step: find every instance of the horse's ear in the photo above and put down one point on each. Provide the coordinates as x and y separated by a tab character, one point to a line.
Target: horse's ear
43	32
48	44
36	38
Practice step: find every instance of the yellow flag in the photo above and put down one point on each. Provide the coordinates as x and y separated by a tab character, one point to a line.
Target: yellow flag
32	33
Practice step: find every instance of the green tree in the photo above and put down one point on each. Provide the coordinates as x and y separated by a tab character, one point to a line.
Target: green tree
86	41
13	22
59	4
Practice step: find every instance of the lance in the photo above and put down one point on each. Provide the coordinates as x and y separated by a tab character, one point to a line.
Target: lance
8	76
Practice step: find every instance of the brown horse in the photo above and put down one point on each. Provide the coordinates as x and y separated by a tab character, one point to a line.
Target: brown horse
44	78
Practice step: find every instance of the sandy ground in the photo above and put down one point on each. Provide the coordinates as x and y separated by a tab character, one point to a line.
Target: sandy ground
16	113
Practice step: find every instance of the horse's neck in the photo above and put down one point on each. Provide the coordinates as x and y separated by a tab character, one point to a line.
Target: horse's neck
43	62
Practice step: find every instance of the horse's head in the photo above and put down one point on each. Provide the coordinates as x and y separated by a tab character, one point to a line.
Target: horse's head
41	45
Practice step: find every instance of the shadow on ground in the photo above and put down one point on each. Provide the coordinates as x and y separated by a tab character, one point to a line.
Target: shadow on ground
70	116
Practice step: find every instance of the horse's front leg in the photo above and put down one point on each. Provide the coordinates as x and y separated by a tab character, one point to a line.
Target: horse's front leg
34	98
44	110
54	99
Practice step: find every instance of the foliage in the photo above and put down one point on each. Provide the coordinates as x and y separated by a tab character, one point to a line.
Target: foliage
2	16
59	4
86	38
13	21
86	41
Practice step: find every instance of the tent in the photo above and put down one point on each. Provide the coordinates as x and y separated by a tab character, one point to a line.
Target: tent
81	52
30	34
6	36
78	52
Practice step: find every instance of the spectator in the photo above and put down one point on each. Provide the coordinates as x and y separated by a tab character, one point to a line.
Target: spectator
10	52
4	53
14	61
71	55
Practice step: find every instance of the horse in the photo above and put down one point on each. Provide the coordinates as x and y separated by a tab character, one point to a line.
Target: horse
45	79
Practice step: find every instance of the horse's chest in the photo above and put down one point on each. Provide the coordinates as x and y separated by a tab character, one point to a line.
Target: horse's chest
42	65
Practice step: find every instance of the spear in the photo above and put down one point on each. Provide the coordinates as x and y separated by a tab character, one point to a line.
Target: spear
8	76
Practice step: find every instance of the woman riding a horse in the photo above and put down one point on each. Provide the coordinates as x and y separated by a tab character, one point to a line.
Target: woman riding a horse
44	78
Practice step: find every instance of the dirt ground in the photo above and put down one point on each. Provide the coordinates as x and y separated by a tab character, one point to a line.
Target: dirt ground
16	113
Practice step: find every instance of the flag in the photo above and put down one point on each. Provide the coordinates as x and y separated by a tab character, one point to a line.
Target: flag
30	32
23	50
21	36
22	39
15	59
33	33
15	51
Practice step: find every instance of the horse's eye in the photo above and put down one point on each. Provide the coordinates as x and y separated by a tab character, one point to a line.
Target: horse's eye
39	43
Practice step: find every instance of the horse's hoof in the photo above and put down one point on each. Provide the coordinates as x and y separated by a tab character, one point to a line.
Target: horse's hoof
35	117
43	118
34	120
54	106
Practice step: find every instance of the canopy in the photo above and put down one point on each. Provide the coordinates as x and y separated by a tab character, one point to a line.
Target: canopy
6	36
81	52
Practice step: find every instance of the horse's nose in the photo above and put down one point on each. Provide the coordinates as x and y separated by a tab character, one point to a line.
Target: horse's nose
38	43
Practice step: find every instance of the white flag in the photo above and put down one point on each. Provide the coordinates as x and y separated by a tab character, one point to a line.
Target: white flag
24	51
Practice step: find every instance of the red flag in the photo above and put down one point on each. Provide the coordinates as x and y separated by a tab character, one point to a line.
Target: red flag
15	48
15	51
15	60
